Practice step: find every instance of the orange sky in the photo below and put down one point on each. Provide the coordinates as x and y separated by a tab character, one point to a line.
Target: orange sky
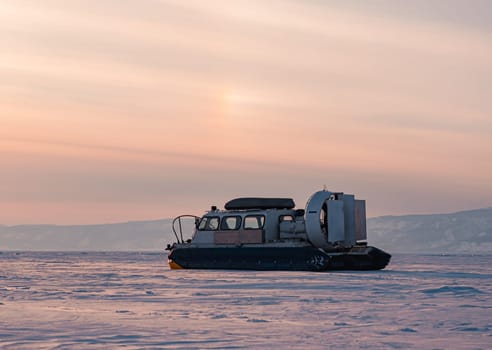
128	110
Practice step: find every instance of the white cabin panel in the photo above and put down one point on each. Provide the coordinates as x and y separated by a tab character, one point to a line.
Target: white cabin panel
335	221
203	237
360	220
349	213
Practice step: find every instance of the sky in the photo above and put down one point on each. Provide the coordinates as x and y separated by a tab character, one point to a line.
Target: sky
122	110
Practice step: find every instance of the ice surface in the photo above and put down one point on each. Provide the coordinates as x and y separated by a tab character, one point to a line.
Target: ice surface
100	300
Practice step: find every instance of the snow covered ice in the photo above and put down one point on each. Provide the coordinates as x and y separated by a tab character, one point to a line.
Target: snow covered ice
95	300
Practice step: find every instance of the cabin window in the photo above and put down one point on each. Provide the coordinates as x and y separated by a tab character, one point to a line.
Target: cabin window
254	222
208	223
230	223
286	218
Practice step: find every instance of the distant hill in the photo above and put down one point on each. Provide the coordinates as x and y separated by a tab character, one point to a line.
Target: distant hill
138	235
462	232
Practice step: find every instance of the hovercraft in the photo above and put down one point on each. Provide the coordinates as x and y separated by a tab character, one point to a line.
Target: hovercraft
270	234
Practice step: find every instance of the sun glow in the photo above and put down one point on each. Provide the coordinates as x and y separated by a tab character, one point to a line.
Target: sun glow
235	97
241	102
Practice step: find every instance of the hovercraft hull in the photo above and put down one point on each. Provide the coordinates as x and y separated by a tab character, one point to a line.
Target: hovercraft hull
305	258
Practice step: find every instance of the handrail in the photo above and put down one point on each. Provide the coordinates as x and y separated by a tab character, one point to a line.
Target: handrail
178	219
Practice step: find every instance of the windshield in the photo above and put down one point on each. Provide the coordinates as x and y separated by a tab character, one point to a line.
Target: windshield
208	223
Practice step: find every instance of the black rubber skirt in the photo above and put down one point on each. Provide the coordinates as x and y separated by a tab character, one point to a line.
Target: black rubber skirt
275	258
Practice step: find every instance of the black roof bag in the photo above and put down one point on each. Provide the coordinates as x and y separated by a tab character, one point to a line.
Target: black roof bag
260	203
